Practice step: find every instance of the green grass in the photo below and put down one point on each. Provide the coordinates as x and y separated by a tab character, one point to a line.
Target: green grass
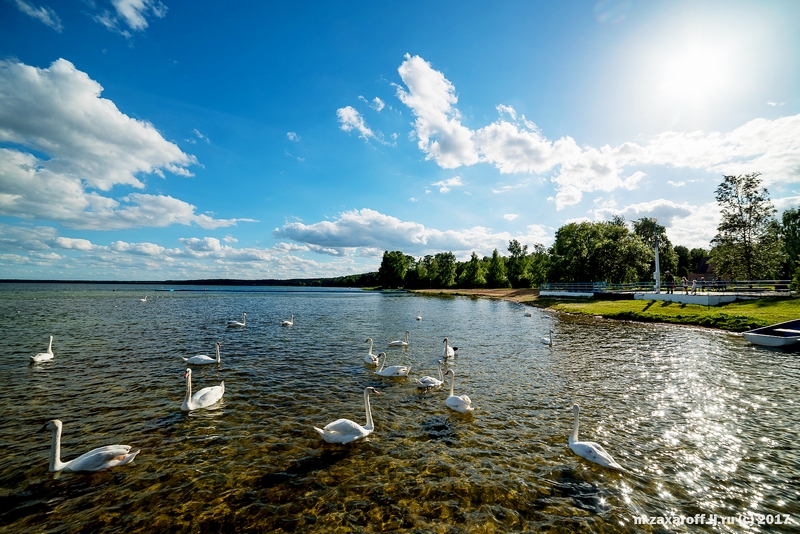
736	317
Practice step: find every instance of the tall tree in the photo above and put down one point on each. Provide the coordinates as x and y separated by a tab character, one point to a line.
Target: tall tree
446	273
392	271
517	264
473	274
790	232
747	245
496	272
683	260
539	265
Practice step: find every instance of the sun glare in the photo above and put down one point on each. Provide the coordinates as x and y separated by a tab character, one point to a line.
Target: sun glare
694	73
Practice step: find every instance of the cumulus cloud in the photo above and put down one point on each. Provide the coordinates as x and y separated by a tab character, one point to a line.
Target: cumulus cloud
367	228
518	146
445	185
510	216
43	14
68	147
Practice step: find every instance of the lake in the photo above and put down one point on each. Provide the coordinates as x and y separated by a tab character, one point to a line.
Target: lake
703	422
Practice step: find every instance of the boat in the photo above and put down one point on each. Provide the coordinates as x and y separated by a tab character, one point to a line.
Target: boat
784	334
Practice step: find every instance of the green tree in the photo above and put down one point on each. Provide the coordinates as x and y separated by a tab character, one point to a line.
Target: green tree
539	265
696	255
683	260
392	271
446	273
747	245
790	233
496	272
649	230
598	251
517	264
473	274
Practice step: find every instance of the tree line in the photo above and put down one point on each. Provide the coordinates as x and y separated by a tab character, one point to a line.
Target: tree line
750	244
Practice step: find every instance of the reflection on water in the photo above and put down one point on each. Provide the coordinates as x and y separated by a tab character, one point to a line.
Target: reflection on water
703	422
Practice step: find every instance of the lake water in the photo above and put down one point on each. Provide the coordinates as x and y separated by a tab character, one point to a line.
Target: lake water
702	421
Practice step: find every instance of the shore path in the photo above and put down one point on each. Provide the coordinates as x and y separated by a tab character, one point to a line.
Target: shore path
516	295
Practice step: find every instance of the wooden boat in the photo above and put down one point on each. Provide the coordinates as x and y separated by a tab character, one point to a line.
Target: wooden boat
783	334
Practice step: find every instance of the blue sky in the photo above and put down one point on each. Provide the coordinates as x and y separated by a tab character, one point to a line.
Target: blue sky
150	140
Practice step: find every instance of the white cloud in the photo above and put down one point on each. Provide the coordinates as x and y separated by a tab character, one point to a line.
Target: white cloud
351	119
44	14
377	104
510	216
367	228
201	136
292	136
768	146
131	13
676	184
773	103
88	147
445	185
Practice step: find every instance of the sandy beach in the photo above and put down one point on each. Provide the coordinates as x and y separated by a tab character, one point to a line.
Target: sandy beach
516	295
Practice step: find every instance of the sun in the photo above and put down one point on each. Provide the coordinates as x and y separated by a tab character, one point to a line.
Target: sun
693	73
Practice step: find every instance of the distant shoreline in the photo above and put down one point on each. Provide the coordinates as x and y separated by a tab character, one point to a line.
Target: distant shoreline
523	296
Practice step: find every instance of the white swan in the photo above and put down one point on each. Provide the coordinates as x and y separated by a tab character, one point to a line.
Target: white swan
528	314
203	398
231	324
448	352
346	431
144	299
399	343
290	322
419	315
45	356
429	382
393	370
548	340
370	358
202	359
455	402
94	460
594	452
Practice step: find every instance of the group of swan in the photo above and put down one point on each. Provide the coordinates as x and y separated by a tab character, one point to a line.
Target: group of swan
233	324
44	356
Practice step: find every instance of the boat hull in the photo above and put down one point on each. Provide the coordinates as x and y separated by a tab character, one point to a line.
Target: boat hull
784	334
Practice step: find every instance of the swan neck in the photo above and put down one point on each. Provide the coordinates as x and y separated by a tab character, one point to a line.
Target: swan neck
452	383
50	346
218	358
439	365
55	451
188	387
383	362
574	437
368	409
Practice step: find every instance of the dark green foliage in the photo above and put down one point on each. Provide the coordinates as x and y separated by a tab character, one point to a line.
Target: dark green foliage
790	233
473	273
393	269
649	230
496	273
518	264
598	251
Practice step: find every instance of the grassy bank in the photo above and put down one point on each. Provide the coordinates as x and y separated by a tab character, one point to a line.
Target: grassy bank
735	317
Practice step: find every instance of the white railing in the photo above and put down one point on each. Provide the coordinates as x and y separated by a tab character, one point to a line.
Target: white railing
737	287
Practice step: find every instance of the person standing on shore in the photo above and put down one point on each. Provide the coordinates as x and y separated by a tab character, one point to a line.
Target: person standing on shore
694	286
685	283
670	280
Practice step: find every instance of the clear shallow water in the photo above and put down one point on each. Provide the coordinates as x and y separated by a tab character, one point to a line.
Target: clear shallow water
703	422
